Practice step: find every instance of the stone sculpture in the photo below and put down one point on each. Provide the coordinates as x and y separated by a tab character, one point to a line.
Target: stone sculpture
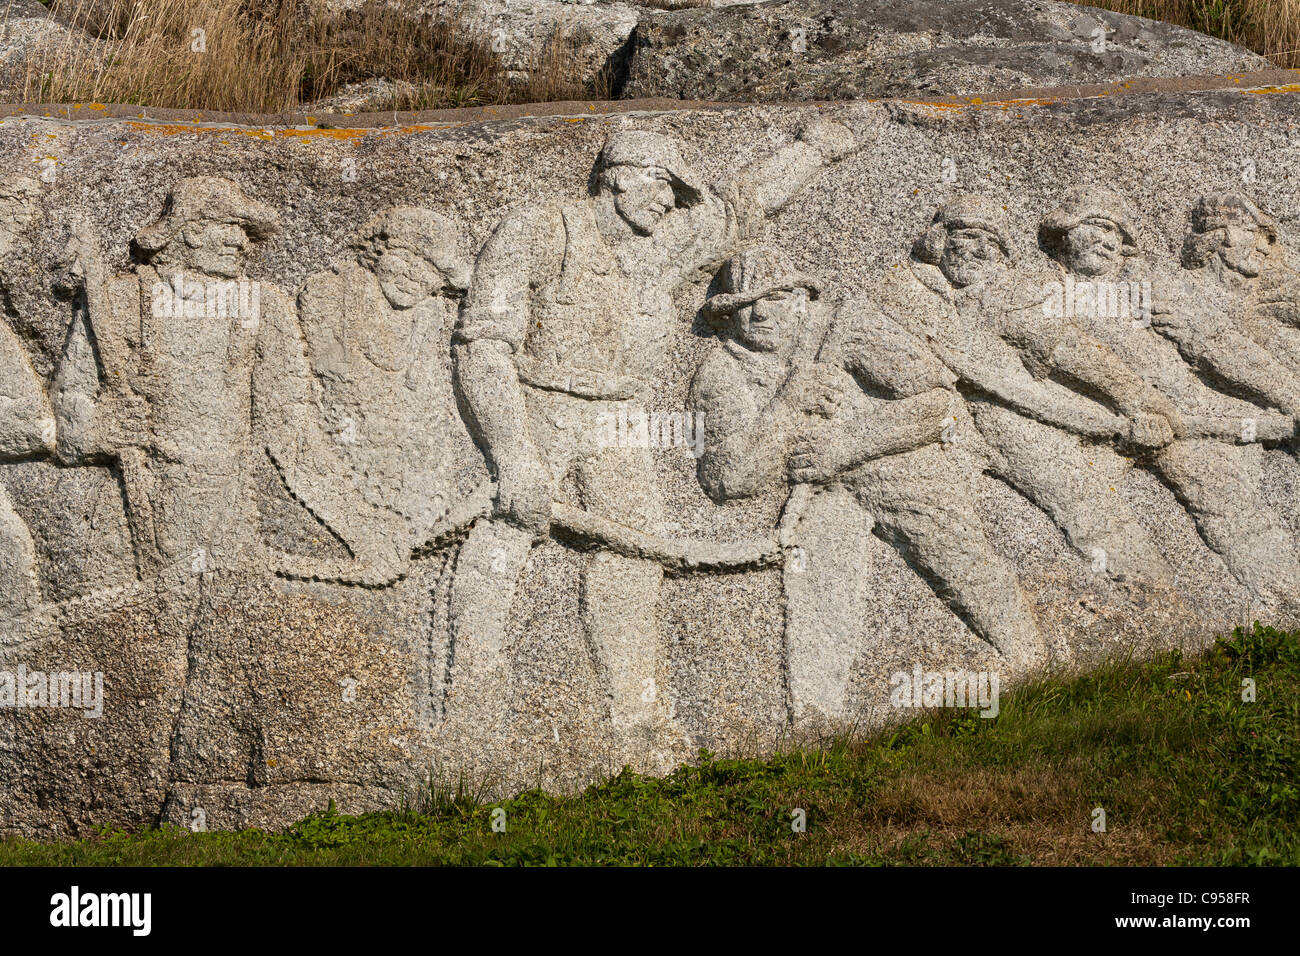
566	320
348	395
1212	465
785	393
26	421
381	527
987	325
174	345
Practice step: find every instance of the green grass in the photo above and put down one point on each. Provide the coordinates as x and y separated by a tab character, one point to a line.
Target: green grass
1186	771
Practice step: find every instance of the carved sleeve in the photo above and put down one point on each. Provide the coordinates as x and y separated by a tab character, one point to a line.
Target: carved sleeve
525	248
1212	344
880	354
26	422
1063	348
735	212
745	445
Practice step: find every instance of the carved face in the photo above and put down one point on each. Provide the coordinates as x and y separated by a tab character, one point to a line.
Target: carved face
1094	247
214	248
770	323
971	256
1243	248
642	197
406	278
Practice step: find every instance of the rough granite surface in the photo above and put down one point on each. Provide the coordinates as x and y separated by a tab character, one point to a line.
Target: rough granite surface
847	49
272	532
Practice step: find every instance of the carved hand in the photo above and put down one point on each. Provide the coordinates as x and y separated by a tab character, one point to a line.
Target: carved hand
1157	404
1150	431
524	496
818	388
818	455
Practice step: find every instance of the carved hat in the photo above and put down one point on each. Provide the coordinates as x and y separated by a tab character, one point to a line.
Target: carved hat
1218	210
422	231
755	274
207	199
646	150
963	212
1088	202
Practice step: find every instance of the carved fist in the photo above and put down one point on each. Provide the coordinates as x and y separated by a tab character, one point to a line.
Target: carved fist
1150	431
817	455
524	496
819	388
383	557
1158	404
833	140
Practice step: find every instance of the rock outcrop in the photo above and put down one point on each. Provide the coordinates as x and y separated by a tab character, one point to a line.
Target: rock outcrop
850	49
333	459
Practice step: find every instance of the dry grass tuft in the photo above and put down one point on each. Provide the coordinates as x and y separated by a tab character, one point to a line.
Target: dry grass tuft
1269	27
271	56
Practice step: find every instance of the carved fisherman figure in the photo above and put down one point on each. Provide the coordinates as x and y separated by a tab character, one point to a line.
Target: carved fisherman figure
568	319
858	417
26	421
1213	466
957	294
375	467
1236	313
175	341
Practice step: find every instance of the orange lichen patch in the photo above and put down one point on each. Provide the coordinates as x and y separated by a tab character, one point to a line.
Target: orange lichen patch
346	135
937	106
97	106
1005	105
1264	90
351	135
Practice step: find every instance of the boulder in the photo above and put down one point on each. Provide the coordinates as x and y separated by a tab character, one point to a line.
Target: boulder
339	461
848	49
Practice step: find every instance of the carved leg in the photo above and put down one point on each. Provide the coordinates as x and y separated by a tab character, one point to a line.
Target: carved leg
619	607
20	592
482	594
924	510
1054	471
1218	484
823	591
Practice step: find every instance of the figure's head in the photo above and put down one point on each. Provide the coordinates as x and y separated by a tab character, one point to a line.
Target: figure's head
646	177
206	227
764	297
967	240
414	255
1089	233
1230	232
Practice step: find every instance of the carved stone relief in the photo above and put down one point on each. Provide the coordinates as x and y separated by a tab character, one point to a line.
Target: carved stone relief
414	396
